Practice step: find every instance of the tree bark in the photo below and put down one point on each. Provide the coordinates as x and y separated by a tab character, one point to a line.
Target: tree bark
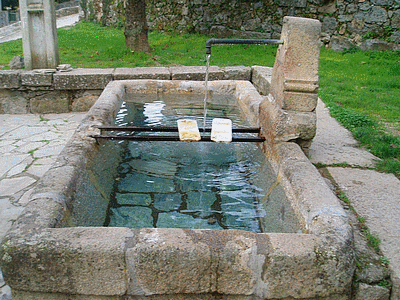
136	26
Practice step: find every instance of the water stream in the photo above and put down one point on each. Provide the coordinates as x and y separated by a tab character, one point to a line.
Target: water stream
206	92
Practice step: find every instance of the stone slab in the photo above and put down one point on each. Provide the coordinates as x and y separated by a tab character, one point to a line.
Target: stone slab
237	73
8	187
261	78
36	78
49	103
25	131
85	261
333	144
372	292
280	125
12	102
10	79
375	196
79	79
131	217
167	202
133	199
8	161
196	73
142	73
47	151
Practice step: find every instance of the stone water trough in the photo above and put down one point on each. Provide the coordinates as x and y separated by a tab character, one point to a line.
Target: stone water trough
42	258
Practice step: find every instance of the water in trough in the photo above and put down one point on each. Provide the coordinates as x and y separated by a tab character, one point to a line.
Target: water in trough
194	185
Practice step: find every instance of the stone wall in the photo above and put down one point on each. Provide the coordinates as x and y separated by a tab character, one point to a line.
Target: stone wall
3	18
51	91
353	19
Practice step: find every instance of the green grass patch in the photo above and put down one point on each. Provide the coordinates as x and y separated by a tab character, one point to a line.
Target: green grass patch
362	90
89	45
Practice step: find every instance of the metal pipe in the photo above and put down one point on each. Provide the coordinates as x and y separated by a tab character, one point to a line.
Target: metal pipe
170	138
213	41
168	129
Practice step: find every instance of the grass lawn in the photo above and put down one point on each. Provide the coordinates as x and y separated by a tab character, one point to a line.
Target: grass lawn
362	89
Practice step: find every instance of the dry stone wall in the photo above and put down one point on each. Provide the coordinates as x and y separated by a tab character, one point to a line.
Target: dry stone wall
352	19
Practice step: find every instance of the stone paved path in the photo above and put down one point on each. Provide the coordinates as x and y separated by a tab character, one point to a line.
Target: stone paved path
13	31
375	196
29	144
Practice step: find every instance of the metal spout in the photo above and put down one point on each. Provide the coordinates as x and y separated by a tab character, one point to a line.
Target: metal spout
213	41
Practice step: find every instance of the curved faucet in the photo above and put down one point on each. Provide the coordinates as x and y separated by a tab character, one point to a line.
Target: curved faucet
213	41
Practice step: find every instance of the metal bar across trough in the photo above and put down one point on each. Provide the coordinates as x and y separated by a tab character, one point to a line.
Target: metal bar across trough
169	129
170	138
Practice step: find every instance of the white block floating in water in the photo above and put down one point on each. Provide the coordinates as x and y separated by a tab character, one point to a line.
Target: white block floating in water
221	130
188	130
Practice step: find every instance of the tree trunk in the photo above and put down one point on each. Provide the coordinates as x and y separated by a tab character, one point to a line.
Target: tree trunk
136	26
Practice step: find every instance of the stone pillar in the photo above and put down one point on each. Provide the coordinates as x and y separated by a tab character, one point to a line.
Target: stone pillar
39	34
294	82
288	113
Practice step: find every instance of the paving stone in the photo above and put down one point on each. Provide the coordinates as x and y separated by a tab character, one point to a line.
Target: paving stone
8	187
25	131
244	220
235	200
179	220
334	144
30	146
167	202
375	196
131	217
14	121
44	136
9	160
4	143
40	166
200	202
18	169
8	148
48	151
139	183
133	199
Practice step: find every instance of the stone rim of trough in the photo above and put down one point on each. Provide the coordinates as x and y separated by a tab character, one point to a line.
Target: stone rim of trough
38	256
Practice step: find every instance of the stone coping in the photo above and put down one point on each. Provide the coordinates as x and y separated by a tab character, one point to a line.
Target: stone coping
40	260
94	79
